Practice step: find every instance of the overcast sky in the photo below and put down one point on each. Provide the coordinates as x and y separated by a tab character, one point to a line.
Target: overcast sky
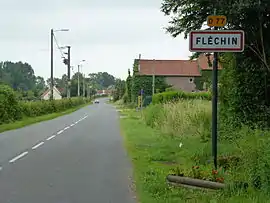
108	34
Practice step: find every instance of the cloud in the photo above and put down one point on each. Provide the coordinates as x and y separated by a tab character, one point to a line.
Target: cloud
108	34
54	5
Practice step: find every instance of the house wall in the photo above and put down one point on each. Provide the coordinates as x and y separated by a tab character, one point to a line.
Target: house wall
184	83
56	95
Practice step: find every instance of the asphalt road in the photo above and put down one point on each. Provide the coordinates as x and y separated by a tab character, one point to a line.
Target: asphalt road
77	158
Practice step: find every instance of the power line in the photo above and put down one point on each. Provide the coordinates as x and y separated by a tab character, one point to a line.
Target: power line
60	50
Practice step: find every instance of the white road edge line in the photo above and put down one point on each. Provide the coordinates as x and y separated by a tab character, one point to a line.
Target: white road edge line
18	157
38	145
66	128
49	138
59	132
71	125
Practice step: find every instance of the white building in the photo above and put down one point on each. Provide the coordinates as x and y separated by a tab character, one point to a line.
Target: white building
47	93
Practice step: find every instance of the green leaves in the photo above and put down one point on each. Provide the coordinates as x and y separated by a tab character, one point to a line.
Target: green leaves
9	107
174	96
245	83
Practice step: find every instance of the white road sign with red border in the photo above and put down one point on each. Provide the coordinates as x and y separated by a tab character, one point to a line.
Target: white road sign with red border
216	41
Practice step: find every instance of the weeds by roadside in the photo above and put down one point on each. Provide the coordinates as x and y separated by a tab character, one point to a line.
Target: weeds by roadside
153	143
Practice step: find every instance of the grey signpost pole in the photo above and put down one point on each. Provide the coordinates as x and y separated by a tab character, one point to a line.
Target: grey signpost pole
214	106
216	41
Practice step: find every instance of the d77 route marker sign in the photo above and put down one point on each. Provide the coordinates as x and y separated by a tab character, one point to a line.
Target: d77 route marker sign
216	41
216	21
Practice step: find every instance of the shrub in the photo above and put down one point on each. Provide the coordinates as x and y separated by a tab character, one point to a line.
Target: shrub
9	106
174	96
11	109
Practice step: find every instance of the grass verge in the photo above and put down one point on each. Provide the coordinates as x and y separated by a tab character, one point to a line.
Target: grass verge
31	120
153	146
153	157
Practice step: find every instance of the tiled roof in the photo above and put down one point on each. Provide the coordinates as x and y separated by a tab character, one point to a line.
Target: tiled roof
203	62
168	67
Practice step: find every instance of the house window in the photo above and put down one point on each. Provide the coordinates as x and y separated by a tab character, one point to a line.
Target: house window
190	80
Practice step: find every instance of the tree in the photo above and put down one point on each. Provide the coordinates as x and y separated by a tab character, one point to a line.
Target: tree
248	86
119	89
18	75
128	91
40	83
74	84
101	80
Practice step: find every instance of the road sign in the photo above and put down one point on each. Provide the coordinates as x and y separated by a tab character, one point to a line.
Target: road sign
139	101
216	21
216	41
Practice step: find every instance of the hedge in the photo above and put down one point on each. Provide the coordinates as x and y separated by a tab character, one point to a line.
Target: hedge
173	96
39	108
11	109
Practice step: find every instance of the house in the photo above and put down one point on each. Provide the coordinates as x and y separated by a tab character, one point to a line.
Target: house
178	73
56	94
103	92
181	74
203	64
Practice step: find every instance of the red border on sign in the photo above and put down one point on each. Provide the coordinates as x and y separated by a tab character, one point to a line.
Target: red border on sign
216	49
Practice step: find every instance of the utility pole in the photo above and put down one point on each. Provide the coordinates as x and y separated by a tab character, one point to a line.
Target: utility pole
83	85
153	78
68	66
78	80
52	85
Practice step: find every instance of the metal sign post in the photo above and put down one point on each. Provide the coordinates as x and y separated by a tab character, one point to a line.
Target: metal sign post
141	99
215	96
216	41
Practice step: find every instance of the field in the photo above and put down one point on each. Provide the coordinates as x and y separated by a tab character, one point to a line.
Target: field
176	137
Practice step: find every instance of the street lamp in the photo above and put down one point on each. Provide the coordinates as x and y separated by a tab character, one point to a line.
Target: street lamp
52	36
90	91
80	64
153	77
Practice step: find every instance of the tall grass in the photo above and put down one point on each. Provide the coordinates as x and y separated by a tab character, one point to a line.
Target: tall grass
186	117
191	119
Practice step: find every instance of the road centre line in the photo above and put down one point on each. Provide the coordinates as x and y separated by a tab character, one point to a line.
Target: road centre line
41	143
18	157
49	138
38	145
59	132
